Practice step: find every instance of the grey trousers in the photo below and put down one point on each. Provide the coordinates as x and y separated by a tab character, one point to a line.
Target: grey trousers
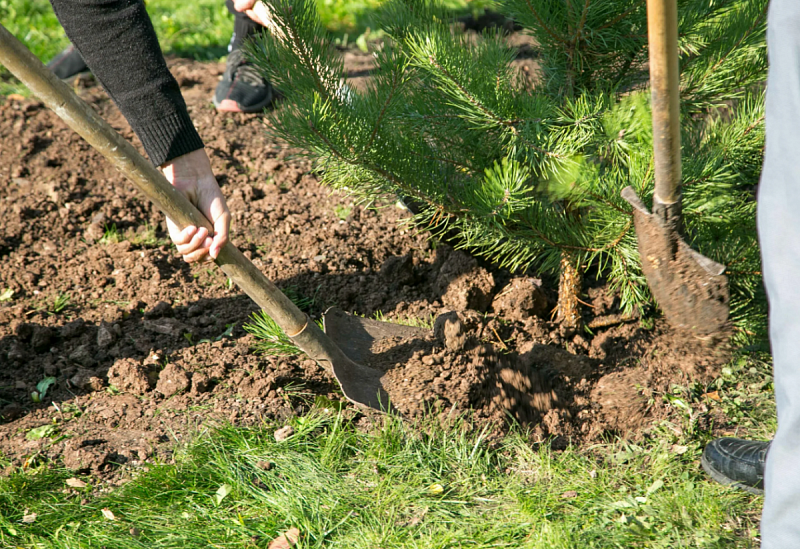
779	233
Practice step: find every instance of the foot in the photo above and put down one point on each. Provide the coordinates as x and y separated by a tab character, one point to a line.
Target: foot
737	462
68	64
242	89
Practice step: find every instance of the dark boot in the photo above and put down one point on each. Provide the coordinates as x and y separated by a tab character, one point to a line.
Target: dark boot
737	462
68	64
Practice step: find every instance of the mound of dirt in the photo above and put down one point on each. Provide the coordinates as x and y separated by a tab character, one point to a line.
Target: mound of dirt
128	350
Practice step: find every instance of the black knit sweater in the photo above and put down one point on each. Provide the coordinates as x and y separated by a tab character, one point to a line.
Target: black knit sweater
117	40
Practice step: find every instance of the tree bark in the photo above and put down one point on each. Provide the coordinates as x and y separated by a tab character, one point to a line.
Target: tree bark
570	283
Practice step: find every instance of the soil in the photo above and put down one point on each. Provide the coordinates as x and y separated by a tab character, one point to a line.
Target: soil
144	350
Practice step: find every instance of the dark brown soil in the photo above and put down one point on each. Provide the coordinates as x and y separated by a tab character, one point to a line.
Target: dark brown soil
148	349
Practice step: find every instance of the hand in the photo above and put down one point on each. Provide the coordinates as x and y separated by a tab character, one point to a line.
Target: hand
192	175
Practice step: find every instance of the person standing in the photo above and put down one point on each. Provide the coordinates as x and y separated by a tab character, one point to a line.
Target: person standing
775	466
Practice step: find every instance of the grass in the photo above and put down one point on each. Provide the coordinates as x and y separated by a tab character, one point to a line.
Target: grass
398	486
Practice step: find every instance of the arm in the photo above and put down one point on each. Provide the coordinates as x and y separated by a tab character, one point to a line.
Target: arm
118	42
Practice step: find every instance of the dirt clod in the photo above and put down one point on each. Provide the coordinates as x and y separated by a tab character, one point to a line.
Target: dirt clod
172	379
129	376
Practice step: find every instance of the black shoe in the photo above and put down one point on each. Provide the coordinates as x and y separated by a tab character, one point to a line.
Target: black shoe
242	89
737	462
68	64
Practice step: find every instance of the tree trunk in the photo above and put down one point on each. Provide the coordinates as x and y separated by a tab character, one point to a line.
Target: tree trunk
570	282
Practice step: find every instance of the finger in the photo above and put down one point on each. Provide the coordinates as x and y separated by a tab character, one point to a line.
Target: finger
200	253
221	228
196	256
194	243
180	236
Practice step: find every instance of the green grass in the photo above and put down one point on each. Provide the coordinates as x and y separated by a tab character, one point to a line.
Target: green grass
399	486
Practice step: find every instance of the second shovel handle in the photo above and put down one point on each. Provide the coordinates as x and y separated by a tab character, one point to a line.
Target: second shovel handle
662	25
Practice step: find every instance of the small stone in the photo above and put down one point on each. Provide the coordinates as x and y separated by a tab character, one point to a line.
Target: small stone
84	356
569	494
105	335
166	326
428	360
283	433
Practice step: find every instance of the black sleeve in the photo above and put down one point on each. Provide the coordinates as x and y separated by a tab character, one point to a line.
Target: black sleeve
117	40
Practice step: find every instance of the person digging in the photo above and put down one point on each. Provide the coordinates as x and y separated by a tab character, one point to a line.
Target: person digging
119	44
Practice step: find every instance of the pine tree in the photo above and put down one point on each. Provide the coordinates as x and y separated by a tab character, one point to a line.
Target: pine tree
531	176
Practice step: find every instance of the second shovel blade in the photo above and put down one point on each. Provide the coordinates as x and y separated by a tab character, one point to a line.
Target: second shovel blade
690	288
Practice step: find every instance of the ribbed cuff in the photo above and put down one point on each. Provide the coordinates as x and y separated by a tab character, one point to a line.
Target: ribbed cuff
169	137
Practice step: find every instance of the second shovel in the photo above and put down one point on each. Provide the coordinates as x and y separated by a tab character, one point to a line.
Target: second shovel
690	288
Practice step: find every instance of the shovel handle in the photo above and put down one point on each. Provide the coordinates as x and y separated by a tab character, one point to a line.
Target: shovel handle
662	27
99	134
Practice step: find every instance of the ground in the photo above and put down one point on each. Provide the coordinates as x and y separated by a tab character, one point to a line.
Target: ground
117	353
141	345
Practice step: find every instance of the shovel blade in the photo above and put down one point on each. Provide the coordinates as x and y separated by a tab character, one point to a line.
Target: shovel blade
357	337
347	351
690	288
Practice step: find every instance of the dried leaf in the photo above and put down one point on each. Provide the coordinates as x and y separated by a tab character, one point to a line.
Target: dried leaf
679	449
283	433
285	540
569	494
108	513
29	519
76	483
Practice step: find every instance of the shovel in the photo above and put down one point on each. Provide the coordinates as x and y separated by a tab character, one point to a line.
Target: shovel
361	384
690	288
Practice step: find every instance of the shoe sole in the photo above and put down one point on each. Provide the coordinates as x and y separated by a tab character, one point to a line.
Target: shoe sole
229	105
725	480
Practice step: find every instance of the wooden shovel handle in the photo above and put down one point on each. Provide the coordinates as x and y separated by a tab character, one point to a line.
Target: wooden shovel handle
662	25
84	120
